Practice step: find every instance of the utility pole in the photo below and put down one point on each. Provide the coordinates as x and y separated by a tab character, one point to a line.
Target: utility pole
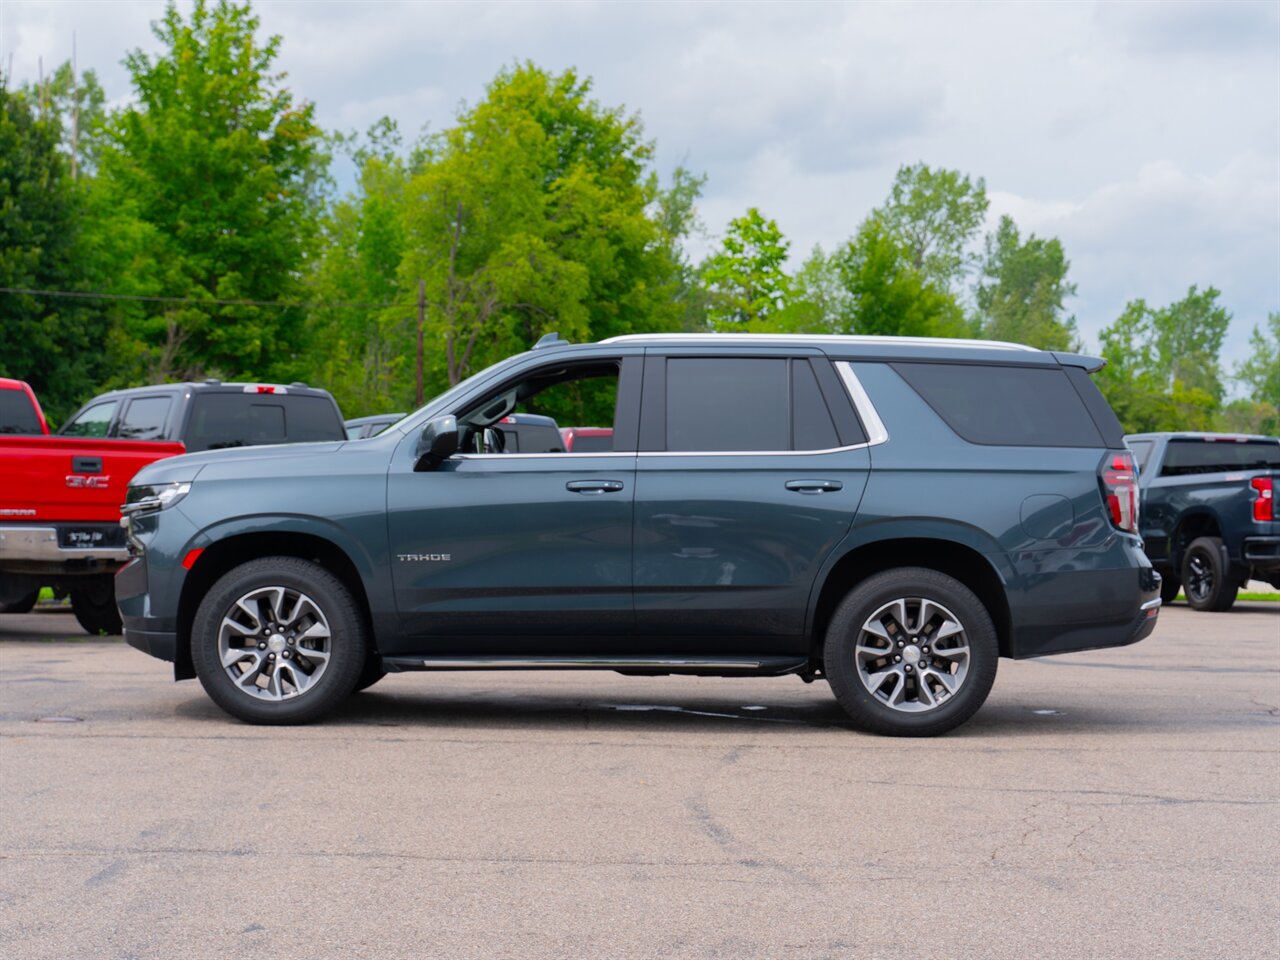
75	110
422	318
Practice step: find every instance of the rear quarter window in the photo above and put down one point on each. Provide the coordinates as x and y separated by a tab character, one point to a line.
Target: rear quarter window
1005	405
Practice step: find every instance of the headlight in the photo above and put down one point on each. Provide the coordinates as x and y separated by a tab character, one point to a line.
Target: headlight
160	496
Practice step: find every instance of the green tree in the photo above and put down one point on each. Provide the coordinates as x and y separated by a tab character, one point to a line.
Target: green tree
1022	289
819	301
886	294
1162	368
538	212
364	354
221	169
746	277
54	343
1259	412
934	217
78	103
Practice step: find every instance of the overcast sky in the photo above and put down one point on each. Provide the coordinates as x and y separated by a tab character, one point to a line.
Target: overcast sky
1146	136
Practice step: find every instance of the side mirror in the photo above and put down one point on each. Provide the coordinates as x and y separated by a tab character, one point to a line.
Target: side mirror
439	441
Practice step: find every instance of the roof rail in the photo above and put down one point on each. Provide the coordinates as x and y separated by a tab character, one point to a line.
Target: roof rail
828	337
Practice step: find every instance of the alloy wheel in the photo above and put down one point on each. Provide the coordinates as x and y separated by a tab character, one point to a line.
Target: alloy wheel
912	654
274	643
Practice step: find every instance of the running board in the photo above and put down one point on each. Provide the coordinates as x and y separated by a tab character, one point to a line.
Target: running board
769	666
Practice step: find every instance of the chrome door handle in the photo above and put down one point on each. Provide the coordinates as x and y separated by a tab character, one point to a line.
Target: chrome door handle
814	486
593	487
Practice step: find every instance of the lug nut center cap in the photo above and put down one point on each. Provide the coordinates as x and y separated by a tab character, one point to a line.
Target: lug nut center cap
911	654
276	643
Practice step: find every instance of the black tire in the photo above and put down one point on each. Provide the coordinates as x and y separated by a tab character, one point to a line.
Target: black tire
343	663
371	674
871	712
94	604
22	604
1206	581
1169	587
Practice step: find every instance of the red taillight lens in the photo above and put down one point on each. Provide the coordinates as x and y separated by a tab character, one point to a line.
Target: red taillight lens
1264	506
1119	478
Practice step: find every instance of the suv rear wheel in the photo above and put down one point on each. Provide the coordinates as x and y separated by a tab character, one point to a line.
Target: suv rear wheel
278	640
911	652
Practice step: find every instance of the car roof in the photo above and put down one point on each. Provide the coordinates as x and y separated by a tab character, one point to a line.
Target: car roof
7	384
817	339
215	386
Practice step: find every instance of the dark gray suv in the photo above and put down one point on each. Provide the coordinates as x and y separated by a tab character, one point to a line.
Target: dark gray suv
892	515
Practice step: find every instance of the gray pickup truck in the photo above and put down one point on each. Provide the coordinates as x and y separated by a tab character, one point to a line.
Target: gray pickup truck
893	515
1208	512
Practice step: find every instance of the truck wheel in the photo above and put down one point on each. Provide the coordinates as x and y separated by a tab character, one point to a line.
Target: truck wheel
278	640
94	604
911	652
1169	587
1206	583
22	604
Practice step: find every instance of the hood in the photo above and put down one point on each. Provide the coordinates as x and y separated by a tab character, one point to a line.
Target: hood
240	461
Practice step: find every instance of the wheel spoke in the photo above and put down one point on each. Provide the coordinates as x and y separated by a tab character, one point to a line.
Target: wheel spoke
251	669
947	645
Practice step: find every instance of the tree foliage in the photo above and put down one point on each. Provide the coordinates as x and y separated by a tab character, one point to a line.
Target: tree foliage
219	166
934	216
1022	290
55	344
746	277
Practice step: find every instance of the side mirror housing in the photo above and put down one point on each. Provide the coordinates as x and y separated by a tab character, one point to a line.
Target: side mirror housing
438	442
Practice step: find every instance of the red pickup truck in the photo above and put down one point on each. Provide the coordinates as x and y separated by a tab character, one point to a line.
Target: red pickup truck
60	496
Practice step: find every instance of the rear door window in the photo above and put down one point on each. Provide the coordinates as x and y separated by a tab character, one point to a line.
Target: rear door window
1141	450
1194	455
726	404
1005	405
145	418
93	422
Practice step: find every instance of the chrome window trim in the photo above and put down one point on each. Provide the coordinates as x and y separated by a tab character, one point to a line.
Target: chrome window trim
876	431
818	340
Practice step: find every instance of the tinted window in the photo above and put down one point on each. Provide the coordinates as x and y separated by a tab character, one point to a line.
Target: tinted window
1010	406
811	425
727	404
144	418
592	443
93	422
221	420
308	419
1141	451
353	433
16	413
1182	457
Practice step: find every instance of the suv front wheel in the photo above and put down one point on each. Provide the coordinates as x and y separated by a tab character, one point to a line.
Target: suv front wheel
278	640
911	652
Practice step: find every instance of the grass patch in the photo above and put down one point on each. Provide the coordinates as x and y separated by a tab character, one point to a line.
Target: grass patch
46	593
1272	597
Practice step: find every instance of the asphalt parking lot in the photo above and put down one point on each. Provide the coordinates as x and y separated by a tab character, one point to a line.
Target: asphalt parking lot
1119	803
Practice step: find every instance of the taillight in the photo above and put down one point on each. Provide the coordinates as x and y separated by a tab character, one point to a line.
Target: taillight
1119	478
1264	505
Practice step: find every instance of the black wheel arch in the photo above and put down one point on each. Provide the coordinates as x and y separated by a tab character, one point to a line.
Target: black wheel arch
227	554
965	564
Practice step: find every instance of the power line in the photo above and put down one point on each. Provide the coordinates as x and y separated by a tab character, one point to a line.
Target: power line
138	298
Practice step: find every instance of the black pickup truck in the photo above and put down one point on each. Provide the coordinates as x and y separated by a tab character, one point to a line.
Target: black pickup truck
1208	517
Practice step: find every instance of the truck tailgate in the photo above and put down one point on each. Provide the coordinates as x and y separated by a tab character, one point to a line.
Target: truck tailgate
71	479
